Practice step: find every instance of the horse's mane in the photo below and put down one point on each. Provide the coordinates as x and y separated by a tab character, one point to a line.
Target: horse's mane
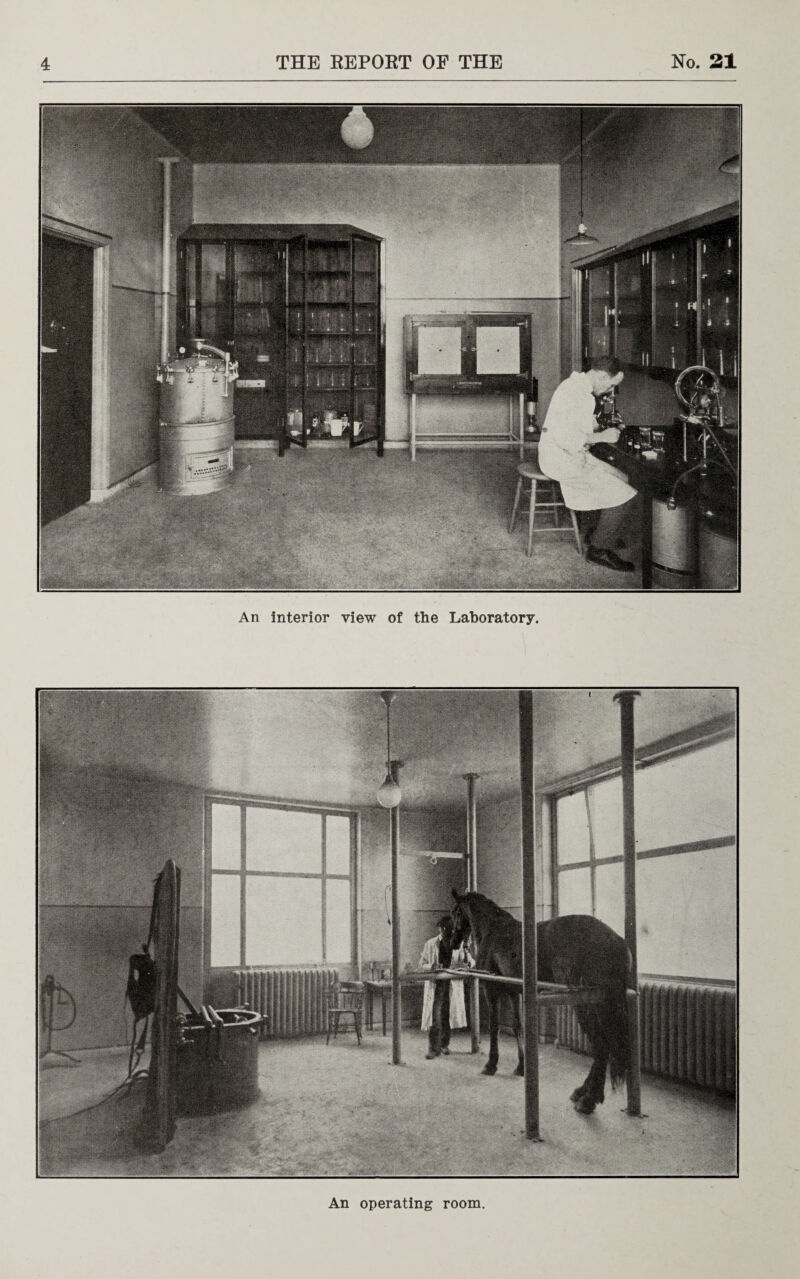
489	907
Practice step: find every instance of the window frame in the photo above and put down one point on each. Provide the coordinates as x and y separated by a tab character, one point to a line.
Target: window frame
322	811
712	733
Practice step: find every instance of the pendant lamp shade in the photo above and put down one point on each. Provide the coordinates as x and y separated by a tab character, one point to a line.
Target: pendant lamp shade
357	129
582	236
389	793
733	164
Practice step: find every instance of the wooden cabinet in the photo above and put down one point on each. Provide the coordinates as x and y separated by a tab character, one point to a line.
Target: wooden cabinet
667	304
301	310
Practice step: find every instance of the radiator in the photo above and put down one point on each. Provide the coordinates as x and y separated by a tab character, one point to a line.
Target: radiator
293	1000
686	1032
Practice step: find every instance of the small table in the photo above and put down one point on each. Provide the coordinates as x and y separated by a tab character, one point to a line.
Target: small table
373	988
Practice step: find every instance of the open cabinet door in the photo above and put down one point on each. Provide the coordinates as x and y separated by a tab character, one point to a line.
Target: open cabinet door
295	424
367	344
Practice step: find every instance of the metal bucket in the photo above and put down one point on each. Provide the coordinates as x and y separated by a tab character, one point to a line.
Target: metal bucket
674	551
196	457
719	566
196	388
218	1066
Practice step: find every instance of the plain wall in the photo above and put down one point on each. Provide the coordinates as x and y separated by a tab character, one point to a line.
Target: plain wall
645	170
105	835
499	844
458	238
100	172
103	838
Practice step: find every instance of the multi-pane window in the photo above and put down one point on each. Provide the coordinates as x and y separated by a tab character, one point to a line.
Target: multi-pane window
280	882
686	860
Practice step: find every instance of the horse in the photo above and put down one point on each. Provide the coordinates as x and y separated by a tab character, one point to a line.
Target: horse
573	950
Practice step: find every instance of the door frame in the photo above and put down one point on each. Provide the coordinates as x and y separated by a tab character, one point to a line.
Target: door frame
101	389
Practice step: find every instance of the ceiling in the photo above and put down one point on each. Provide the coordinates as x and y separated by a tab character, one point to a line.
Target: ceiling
403	134
330	745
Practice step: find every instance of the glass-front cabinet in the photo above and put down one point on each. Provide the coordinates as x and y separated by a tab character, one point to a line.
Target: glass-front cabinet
301	310
335	341
672	306
718	300
668	304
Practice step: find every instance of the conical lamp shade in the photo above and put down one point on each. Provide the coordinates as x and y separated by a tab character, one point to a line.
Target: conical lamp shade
582	236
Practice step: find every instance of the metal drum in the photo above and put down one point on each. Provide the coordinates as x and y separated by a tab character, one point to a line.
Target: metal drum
719	559
217	1063
196	420
196	457
674	550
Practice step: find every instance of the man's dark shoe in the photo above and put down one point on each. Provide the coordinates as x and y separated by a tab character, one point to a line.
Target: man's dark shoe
608	559
445	1052
430	1056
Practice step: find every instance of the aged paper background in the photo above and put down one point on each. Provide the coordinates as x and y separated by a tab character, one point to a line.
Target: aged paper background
574	53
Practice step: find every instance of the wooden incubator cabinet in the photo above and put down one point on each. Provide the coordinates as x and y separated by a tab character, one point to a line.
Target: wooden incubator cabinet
301	308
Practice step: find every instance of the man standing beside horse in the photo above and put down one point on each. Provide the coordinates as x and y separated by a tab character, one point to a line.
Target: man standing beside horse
443	1005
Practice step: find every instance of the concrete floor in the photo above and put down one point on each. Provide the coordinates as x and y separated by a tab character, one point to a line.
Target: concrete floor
322	521
344	1111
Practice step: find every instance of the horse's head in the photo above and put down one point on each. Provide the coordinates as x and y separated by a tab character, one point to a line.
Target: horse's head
462	923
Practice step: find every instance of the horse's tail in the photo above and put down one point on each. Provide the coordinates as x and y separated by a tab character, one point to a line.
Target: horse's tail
618	1036
618	1027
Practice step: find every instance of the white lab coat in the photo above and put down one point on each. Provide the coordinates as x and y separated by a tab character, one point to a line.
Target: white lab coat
458	1012
586	483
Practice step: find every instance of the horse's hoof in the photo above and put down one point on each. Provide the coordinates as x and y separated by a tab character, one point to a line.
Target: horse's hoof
578	1093
585	1105
489	1070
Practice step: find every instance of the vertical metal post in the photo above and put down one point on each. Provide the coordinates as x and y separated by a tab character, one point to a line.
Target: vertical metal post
394	832
626	701
530	988
472	887
166	244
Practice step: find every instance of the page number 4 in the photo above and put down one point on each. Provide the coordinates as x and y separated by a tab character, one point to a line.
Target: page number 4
45	64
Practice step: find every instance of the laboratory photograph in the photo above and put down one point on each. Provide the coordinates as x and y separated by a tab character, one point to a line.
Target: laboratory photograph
389	347
387	933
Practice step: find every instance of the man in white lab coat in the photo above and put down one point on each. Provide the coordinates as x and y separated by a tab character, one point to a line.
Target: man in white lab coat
598	491
443	1003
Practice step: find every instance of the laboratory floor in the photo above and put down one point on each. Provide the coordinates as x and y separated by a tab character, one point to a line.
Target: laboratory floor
321	521
346	1111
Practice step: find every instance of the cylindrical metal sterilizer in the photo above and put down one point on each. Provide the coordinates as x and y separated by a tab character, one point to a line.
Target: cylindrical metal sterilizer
196	420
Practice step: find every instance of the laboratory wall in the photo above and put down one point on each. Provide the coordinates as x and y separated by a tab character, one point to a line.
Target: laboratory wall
100	172
458	238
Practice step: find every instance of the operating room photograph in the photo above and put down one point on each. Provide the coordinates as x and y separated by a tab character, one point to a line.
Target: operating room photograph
368	932
389	347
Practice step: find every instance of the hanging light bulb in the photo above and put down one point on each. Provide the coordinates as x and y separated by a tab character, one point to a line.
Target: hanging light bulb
389	793
583	236
357	129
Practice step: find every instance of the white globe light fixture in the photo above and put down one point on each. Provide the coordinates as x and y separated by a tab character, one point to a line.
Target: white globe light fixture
357	129
389	793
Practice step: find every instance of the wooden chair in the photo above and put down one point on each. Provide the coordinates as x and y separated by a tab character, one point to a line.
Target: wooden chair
346	1000
530	480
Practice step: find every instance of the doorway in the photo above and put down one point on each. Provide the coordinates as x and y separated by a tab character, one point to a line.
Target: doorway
65	406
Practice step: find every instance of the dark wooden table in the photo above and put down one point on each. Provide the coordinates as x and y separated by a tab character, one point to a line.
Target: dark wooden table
655	477
373	988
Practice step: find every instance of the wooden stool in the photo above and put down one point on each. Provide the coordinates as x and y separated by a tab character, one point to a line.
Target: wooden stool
530	475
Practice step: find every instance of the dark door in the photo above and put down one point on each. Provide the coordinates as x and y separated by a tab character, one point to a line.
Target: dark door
65	416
